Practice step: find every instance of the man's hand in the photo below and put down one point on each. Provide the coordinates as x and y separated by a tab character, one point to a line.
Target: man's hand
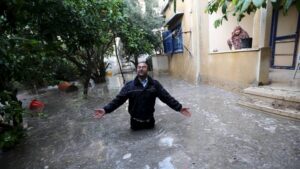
99	113
185	112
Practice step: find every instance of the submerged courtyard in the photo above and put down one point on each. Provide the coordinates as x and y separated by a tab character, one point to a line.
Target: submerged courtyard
220	133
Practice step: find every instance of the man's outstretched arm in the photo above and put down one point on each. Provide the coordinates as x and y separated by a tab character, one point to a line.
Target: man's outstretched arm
165	97
113	105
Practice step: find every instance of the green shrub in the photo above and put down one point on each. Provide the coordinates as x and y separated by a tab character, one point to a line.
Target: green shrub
11	113
10	138
66	71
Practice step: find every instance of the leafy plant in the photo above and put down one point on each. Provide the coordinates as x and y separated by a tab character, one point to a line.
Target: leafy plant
66	71
136	32
11	109
11	113
10	138
240	8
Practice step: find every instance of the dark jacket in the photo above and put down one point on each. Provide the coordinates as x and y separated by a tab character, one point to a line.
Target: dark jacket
142	100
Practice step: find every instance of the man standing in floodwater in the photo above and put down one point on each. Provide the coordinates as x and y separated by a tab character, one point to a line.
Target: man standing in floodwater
142	92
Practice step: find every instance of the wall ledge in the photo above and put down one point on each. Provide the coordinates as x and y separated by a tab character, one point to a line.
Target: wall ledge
235	51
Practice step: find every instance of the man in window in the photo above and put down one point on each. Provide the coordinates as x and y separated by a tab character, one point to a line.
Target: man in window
142	92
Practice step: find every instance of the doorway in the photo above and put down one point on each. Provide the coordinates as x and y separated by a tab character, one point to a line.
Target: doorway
284	39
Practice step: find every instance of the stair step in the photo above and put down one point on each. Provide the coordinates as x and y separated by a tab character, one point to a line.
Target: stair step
275	93
271	108
270	101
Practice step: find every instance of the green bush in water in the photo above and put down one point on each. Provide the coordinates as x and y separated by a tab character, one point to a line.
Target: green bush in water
11	118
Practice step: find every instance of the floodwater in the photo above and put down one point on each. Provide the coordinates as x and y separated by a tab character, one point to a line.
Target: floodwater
220	133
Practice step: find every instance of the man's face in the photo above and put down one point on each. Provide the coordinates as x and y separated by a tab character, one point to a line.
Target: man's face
142	69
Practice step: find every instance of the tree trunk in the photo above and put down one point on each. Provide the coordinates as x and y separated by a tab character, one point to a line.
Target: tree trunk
136	61
102	71
86	85
98	78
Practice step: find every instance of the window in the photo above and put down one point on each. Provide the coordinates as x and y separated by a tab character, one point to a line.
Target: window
168	42
177	40
172	40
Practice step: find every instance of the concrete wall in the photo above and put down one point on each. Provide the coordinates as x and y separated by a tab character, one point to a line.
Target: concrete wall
160	63
204	29
233	68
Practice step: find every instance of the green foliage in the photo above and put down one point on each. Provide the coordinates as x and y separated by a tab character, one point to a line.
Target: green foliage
92	35
27	56
241	7
38	38
11	114
135	41
136	30
11	110
66	71
10	138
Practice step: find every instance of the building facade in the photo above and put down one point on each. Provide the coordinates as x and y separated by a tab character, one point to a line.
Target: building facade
205	55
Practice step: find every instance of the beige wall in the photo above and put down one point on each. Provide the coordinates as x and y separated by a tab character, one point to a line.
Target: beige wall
184	65
160	63
233	68
169	12
287	24
204	29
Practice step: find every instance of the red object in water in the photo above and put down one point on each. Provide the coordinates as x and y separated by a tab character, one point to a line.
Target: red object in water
36	104
64	86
